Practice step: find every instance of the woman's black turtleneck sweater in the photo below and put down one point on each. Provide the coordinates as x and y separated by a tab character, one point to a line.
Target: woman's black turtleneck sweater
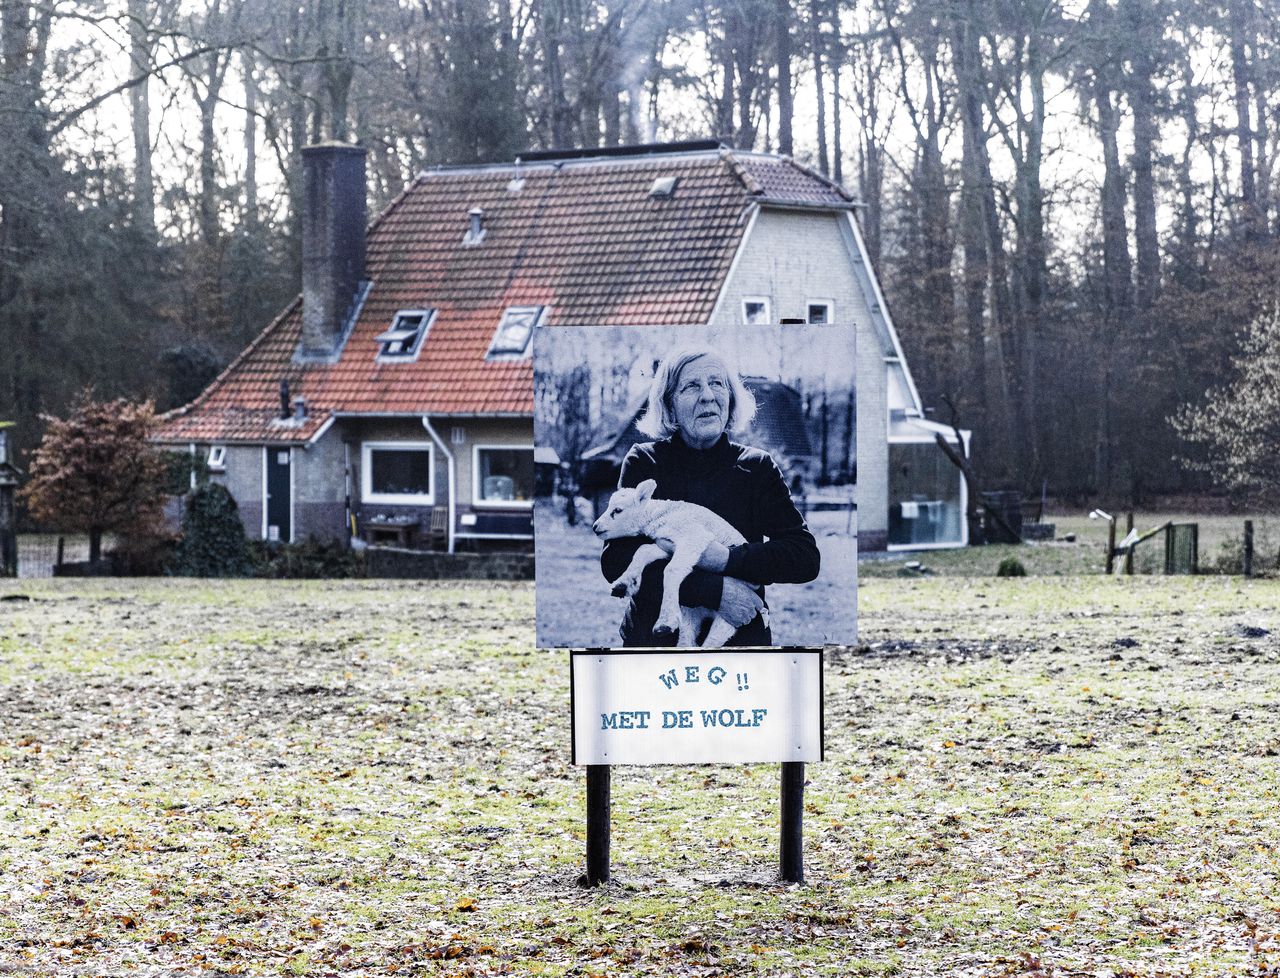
744	486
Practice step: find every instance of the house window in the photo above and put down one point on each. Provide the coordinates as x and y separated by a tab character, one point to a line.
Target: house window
217	460
926	507
397	473
819	312
512	337
755	310
502	476
404	339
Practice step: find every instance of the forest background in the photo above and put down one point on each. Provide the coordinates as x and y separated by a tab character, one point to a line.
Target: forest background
1073	206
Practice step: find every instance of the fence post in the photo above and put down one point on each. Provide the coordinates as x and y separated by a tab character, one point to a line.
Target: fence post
598	777
1111	546
791	846
1128	554
1248	548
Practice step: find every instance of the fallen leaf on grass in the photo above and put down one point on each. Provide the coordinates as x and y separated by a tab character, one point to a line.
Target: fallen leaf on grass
466	904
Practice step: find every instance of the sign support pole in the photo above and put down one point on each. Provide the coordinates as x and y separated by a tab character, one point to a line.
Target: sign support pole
791	849
598	777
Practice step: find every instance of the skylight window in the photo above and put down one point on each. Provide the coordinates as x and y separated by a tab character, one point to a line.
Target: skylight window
664	187
512	336
404	339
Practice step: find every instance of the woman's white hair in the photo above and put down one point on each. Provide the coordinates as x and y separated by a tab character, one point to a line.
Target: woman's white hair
658	420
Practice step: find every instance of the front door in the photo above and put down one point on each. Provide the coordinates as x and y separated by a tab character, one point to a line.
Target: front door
279	494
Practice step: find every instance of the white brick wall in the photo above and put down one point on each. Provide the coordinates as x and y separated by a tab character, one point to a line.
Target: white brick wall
794	257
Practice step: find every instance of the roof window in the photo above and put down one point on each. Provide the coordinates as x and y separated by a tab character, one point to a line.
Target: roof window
664	188
512	337
404	339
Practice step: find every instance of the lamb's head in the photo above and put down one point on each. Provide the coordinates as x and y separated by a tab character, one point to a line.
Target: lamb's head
625	516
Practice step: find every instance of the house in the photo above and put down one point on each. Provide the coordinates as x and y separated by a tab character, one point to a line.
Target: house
393	399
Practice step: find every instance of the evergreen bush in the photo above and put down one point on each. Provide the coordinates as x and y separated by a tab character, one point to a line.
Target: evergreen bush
213	543
1011	567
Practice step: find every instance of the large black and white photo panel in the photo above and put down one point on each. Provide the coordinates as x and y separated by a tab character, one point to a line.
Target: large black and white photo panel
695	486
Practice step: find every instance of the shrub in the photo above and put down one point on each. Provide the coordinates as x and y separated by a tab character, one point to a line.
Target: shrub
213	543
1011	567
309	559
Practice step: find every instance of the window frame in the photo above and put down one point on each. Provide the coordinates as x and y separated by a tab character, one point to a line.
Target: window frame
479	503
367	493
540	315
825	303
216	460
410	356
766	301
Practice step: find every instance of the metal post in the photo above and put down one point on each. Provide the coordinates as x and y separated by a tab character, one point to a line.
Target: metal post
1128	552
597	824
791	849
1248	548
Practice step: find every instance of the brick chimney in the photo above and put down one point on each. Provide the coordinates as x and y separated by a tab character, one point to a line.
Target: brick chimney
333	223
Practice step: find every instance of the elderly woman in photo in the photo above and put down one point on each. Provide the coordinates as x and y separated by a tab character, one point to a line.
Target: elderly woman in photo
695	402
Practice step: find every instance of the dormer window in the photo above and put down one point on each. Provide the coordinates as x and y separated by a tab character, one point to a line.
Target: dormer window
404	339
512	338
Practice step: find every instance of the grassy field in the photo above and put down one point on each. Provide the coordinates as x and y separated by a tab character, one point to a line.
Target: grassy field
1221	537
1039	776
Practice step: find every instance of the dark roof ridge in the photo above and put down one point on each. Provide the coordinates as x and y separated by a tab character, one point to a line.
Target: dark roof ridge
525	166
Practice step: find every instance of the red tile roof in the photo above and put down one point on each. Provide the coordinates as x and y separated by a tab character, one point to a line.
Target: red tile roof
582	237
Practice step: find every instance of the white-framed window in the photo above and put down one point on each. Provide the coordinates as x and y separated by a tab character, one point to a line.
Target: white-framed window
756	309
818	312
397	473
502	475
404	339
511	339
217	459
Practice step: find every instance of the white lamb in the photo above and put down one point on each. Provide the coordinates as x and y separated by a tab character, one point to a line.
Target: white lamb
686	529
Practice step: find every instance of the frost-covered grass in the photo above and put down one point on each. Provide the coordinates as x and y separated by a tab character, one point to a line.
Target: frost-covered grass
1039	775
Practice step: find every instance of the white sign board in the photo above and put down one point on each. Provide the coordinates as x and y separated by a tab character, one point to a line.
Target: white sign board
665	707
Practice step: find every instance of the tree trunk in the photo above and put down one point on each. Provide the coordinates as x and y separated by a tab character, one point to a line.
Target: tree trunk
820	85
1137	23
207	207
866	87
837	62
250	140
1031	267
1115	231
1241	36
144	191
1116	271
782	43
